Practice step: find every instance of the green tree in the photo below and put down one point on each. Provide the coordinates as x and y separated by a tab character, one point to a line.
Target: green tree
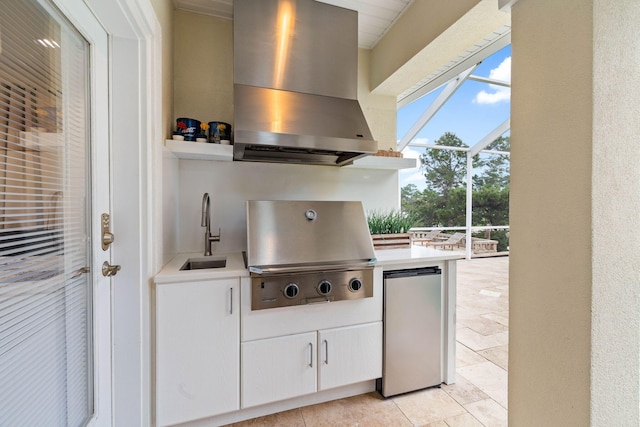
408	195
494	168
422	206
444	170
502	143
452	209
491	206
443	202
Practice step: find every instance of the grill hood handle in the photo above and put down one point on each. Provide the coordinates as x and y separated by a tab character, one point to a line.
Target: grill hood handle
311	267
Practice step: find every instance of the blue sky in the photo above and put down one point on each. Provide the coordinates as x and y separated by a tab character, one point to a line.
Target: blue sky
471	113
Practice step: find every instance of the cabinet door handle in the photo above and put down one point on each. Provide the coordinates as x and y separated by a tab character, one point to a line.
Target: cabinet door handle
326	352
230	300
310	355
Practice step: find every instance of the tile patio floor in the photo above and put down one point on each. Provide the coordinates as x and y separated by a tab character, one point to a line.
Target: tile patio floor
479	396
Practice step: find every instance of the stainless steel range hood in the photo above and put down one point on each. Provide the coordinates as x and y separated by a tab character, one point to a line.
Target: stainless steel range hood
295	84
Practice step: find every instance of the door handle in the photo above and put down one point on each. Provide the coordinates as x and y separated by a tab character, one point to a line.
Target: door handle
310	355
109	270
79	272
107	236
326	352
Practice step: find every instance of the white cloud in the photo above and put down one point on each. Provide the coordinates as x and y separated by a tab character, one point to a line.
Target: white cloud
410	153
503	71
420	141
413	178
500	94
497	93
413	175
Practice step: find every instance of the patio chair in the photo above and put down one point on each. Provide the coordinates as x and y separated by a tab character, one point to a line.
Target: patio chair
424	236
452	241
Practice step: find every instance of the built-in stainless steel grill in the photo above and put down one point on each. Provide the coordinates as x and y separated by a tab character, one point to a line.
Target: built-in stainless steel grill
303	252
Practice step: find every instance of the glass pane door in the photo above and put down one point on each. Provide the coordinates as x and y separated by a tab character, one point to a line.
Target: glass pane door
46	360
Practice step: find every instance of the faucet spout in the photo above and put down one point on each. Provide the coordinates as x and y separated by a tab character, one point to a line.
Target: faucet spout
206	202
205	221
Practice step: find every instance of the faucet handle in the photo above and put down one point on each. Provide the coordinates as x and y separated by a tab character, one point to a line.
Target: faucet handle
215	238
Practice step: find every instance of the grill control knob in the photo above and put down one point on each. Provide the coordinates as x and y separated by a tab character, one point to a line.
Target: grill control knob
291	290
355	284
324	287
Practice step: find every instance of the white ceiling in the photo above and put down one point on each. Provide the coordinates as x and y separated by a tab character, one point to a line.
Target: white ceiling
375	17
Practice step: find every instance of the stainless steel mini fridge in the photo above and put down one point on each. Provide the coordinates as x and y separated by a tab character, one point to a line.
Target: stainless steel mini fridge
412	357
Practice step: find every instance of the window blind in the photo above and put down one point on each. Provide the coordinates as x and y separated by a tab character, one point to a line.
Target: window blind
45	291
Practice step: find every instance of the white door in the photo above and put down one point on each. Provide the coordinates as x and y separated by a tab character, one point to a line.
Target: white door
197	350
349	355
278	368
55	325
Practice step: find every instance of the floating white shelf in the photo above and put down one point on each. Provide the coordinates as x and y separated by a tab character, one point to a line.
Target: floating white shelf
204	151
381	162
200	150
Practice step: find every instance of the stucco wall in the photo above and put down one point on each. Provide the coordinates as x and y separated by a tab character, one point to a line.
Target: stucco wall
428	35
165	170
203	67
418	26
574	349
616	202
379	110
164	12
550	236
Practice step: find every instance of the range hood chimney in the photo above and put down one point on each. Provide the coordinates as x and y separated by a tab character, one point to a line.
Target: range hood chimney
295	84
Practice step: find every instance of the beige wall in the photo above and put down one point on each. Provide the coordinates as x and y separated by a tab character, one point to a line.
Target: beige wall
164	13
203	67
163	181
550	219
429	34
379	110
420	25
615	325
573	343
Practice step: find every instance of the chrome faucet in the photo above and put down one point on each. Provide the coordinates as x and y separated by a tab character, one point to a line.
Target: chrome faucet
206	222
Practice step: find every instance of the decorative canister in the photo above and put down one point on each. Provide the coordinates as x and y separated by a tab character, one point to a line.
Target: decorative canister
188	128
201	136
219	131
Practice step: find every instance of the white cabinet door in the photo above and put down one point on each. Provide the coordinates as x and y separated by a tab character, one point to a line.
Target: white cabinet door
197	350
278	368
349	355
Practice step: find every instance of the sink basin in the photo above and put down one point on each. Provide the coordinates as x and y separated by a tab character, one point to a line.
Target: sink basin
204	263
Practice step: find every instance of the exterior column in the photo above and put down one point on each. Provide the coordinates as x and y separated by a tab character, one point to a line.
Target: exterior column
615	287
575	192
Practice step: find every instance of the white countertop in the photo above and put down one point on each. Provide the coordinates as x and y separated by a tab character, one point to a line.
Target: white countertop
171	272
417	255
404	257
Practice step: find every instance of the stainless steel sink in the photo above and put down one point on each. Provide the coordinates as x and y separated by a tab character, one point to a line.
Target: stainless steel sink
204	263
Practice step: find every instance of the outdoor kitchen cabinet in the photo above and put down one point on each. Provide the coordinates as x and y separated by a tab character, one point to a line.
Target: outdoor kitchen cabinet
294	365
349	355
278	368
197	350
